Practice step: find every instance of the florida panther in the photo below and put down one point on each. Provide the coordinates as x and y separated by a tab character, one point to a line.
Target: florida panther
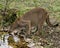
34	17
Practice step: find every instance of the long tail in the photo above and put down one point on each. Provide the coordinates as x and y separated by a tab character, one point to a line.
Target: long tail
49	23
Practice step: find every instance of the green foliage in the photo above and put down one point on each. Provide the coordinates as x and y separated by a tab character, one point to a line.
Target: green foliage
22	5
8	18
1	6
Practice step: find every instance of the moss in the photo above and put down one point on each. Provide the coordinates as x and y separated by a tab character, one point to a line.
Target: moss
10	40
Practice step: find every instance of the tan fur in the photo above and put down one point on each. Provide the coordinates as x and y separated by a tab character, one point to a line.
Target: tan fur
34	17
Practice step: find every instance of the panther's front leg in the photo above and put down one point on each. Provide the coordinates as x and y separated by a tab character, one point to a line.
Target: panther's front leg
28	22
